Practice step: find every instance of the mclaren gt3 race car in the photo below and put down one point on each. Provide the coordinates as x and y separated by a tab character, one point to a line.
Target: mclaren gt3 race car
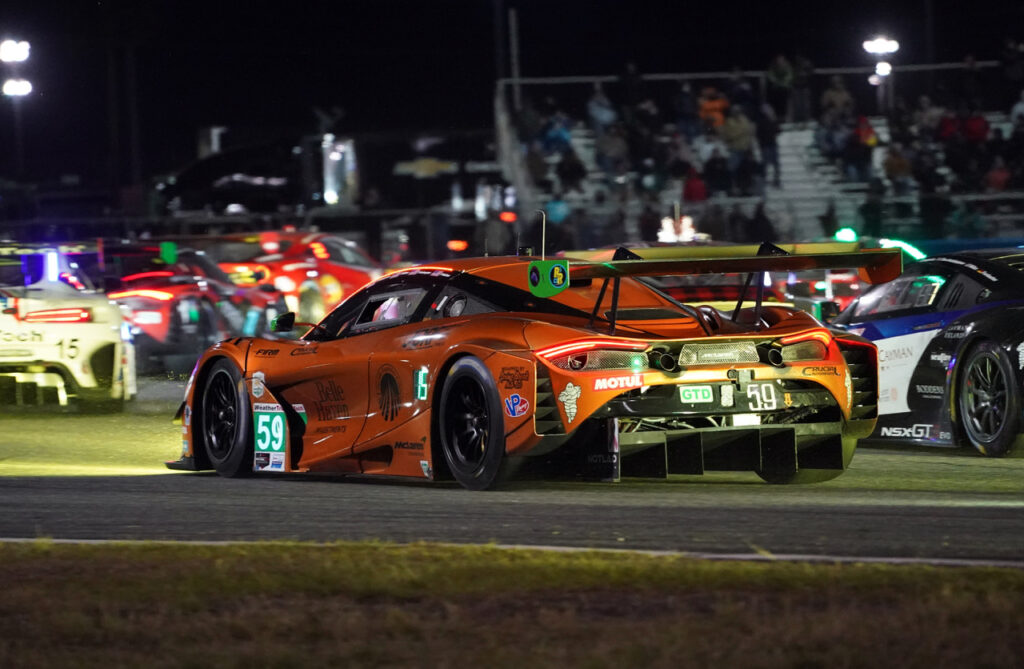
466	369
61	340
950	336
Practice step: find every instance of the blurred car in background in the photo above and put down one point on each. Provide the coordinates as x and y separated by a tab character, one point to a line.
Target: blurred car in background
950	338
314	270
182	302
61	339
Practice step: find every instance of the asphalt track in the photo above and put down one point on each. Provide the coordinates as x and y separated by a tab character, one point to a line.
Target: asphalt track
921	504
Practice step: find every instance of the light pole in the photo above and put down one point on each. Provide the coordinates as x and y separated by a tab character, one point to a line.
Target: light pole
13	52
882	48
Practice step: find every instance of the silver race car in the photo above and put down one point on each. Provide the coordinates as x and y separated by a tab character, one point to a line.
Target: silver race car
62	341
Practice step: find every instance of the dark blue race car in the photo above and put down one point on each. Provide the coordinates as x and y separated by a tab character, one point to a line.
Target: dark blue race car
950	337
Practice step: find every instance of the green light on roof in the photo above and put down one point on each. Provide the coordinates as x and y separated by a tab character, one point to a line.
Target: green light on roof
846	235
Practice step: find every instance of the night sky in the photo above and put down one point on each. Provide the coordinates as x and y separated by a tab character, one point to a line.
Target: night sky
260	68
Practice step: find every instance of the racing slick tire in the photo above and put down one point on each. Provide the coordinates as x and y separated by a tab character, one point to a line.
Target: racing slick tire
225	421
470	425
988	408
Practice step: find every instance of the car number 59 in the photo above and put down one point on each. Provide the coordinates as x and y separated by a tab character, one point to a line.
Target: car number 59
761	397
269	432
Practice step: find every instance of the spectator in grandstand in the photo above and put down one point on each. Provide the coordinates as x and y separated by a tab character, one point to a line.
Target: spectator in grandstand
612	151
713	222
1017	112
950	124
897	170
997	177
761	227
737	223
803	71
836	97
649	221
706	145
557	209
748	179
685	109
571	171
975	127
768	141
857	152
680	157
695	191
738	135
600	111
740	93
556	132
829	221
537	166
901	122
779	78
717	174
711	106
831	134
926	117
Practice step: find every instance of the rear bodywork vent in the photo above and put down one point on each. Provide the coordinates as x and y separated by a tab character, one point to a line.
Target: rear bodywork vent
862	360
546	418
716	354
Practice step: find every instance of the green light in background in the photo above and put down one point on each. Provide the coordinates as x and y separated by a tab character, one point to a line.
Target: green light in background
846	235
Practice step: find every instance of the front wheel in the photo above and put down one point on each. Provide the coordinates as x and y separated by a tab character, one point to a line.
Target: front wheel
988	406
470	425
225	421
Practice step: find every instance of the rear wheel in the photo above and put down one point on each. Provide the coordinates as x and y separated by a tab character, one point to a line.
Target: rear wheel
470	425
988	407
225	421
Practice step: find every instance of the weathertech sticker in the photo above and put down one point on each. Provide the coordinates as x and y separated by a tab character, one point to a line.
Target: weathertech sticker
568	399
269	425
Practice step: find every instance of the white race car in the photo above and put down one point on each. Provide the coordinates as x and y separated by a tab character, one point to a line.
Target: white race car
61	340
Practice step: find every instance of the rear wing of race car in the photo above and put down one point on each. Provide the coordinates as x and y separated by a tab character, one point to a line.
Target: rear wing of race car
11	249
873	265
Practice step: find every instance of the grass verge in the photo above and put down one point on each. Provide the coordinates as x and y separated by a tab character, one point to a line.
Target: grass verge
372	604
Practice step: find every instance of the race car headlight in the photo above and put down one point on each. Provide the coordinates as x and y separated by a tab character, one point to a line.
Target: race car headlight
284	284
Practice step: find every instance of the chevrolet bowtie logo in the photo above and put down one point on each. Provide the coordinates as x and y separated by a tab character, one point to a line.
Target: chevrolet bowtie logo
426	168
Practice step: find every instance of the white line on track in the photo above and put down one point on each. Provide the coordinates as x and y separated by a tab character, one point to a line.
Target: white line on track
763	556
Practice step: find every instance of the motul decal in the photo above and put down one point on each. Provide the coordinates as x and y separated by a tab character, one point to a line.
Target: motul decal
619	382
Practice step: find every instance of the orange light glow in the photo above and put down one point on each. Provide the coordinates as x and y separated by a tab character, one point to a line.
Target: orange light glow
161	295
59	316
588	344
457	245
507	217
319	250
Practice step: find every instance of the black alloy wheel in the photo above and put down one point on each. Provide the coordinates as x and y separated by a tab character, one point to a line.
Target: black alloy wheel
988	406
471	427
225	421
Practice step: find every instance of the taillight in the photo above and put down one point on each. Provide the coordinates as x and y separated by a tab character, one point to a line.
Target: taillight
160	295
319	250
159	274
594	354
811	345
59	316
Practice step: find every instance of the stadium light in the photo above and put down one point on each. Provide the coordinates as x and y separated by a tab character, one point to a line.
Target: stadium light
12	51
16	88
883	68
881	46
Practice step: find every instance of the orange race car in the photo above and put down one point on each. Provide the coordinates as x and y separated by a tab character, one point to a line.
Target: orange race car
463	370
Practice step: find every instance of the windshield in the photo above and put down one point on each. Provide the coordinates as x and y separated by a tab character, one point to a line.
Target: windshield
22	270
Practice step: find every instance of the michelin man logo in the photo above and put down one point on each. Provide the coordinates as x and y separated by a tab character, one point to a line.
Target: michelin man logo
568	399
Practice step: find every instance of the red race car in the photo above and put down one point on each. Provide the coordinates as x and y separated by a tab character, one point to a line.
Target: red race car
182	302
314	270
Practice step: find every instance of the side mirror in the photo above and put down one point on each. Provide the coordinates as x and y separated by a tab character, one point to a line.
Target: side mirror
283	323
828	311
112	284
